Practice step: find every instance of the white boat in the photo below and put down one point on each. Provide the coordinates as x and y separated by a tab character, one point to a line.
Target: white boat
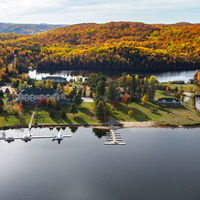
27	138
58	138
9	139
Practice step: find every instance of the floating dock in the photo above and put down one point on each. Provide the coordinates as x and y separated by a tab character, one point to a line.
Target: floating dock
113	138
36	137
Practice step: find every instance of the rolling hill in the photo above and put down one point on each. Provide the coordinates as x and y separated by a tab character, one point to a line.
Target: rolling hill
116	46
30	29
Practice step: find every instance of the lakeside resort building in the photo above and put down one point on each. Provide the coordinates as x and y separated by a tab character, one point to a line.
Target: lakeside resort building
33	95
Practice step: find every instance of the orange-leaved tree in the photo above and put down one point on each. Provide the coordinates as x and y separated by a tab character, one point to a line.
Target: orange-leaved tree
125	98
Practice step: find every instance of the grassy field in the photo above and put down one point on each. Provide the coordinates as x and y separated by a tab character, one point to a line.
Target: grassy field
14	120
184	115
84	116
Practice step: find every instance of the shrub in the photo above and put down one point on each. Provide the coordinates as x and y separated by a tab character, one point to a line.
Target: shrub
52	114
43	101
130	112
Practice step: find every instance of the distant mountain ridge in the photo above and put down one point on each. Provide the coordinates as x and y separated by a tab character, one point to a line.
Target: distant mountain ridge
28	29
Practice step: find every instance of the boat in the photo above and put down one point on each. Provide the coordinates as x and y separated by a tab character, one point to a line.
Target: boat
9	139
27	138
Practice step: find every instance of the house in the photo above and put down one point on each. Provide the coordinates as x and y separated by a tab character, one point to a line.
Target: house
55	79
168	102
33	95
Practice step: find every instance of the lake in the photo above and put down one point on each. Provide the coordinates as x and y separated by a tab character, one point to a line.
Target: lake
156	164
162	77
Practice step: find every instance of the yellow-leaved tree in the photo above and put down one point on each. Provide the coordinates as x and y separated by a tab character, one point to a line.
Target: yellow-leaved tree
48	84
144	99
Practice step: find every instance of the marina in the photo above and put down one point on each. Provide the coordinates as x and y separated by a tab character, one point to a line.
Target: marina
114	138
29	137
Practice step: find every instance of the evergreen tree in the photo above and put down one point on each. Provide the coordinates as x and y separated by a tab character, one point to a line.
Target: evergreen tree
101	88
77	100
99	111
1	93
93	79
73	109
112	91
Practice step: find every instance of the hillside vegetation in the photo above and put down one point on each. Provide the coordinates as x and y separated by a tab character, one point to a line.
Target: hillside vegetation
112	46
26	28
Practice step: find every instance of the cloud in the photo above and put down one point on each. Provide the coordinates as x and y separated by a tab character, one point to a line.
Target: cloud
77	11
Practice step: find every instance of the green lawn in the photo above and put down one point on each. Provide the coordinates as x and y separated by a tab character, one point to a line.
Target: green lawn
13	120
84	116
184	115
160	94
164	115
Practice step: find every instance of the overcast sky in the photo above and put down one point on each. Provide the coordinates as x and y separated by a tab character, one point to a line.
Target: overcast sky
100	11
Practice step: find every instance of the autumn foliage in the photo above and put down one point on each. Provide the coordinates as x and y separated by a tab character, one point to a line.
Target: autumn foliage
125	98
17	108
43	101
115	45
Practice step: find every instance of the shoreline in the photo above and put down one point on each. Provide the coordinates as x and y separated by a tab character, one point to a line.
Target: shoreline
148	124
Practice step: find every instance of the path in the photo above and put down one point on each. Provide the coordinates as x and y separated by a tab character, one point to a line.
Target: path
187	96
87	100
112	122
31	121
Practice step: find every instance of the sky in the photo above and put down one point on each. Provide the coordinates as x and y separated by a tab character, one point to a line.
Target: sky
99	11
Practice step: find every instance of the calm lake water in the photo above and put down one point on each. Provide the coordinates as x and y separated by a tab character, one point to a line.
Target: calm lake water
162	77
156	164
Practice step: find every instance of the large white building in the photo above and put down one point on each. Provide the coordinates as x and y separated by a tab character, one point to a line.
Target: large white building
55	79
35	94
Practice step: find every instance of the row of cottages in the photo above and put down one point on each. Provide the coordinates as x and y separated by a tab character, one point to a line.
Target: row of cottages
34	95
168	102
55	79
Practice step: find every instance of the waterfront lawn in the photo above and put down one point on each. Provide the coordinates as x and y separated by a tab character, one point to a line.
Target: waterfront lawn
14	120
184	115
162	94
84	116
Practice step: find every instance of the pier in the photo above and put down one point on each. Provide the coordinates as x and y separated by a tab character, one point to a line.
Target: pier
114	138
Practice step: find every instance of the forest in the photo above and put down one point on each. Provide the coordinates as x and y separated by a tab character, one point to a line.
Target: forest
119	46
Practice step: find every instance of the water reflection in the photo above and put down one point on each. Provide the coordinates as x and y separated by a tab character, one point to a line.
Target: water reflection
157	164
162	76
99	133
